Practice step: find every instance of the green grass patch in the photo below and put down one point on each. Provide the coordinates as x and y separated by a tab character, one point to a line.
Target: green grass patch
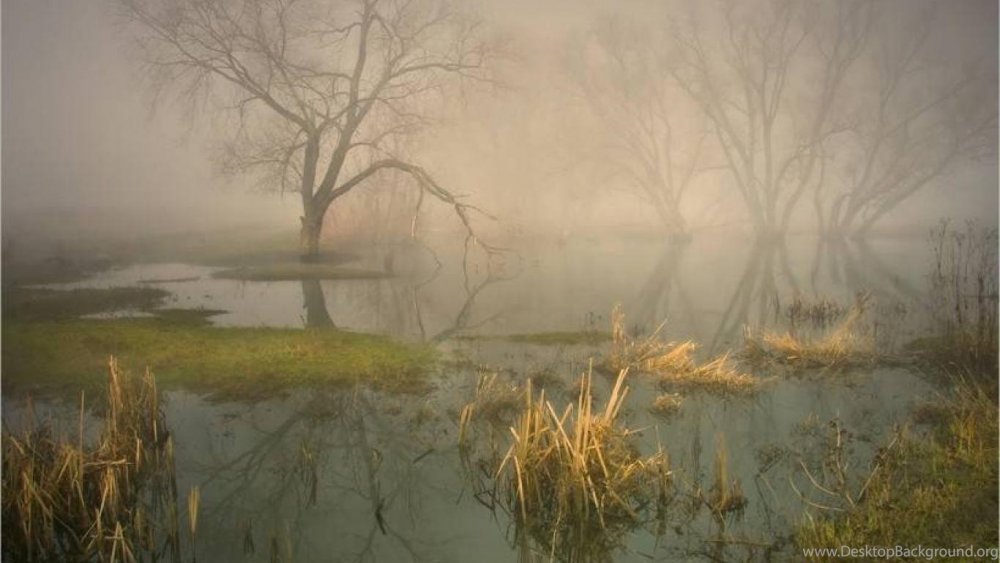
244	363
193	317
935	490
589	338
298	271
38	304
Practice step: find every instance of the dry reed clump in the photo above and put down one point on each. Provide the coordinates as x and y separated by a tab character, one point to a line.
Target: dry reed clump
111	500
666	405
674	363
847	344
495	400
574	481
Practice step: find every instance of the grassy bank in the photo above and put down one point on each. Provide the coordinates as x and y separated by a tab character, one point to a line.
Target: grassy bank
61	356
935	489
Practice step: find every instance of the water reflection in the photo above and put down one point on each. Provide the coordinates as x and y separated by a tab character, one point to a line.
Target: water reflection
313	301
333	476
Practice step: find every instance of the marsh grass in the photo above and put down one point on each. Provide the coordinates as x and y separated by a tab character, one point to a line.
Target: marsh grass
963	287
674	364
939	485
111	500
574	481
850	342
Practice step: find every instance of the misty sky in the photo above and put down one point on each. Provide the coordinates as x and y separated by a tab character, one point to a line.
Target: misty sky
83	153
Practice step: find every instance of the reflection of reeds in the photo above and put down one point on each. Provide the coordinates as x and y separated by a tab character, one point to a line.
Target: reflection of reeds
674	363
574	481
726	495
193	501
819	312
66	500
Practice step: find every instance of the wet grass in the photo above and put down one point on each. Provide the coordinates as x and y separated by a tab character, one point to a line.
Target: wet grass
113	499
298	271
938	488
246	363
34	304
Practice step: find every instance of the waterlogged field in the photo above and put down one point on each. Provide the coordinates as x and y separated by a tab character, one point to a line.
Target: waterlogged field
740	404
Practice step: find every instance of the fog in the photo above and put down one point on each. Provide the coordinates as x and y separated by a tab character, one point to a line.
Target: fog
92	150
366	251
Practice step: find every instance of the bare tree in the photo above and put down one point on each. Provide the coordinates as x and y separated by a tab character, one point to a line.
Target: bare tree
767	76
927	112
647	136
316	90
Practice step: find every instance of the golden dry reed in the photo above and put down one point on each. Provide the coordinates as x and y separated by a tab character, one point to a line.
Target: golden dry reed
67	500
673	363
846	344
574	481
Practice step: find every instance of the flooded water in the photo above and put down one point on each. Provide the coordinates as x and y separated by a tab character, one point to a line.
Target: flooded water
706	290
361	476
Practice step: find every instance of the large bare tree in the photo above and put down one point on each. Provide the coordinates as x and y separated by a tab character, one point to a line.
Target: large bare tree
317	92
927	107
768	75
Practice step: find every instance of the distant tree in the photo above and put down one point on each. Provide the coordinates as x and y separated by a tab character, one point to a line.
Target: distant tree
767	75
646	135
925	111
317	90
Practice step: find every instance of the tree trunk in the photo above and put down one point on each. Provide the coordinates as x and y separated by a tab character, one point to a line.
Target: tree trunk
309	238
